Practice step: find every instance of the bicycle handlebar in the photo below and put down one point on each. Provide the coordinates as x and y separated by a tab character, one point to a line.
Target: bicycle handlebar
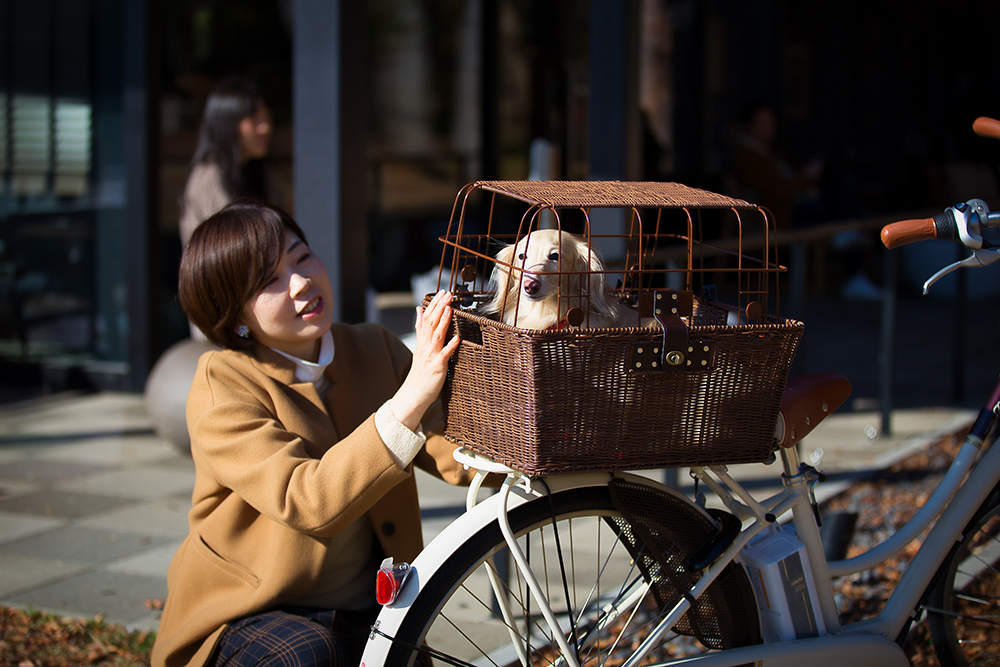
941	226
986	127
961	223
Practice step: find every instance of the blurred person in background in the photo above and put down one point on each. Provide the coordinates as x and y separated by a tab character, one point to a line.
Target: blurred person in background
230	160
765	177
803	196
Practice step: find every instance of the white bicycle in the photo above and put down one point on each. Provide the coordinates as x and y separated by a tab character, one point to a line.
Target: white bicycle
616	569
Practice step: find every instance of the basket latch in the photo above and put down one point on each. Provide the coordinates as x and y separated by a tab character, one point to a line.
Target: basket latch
675	351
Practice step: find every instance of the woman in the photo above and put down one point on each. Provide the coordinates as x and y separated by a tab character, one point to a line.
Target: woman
303	432
229	161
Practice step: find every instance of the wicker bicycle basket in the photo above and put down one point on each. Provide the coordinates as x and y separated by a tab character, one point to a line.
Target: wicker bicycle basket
698	382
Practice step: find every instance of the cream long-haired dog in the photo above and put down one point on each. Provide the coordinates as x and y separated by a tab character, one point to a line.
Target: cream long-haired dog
549	264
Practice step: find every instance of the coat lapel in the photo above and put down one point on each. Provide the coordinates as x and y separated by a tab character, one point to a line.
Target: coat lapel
283	370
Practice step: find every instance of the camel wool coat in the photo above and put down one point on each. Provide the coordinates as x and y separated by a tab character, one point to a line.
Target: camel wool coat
278	472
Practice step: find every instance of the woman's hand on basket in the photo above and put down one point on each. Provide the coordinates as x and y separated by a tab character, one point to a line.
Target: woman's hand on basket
430	362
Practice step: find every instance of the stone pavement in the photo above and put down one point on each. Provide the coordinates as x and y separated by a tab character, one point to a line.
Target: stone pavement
93	504
92	507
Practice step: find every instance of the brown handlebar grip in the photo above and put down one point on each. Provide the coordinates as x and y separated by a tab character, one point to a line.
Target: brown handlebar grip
897	234
986	127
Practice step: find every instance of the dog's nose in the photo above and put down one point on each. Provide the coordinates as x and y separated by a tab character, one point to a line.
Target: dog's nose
531	286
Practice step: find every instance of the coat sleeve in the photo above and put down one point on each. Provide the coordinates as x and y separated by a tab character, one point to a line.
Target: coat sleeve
272	449
435	457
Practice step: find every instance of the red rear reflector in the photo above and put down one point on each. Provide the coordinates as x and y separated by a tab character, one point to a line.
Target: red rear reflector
389	581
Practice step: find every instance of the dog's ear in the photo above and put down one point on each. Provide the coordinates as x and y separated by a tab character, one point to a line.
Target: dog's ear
505	255
585	261
501	280
501	272
596	265
600	300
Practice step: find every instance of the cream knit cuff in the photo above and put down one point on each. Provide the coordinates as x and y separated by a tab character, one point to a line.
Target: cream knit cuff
402	443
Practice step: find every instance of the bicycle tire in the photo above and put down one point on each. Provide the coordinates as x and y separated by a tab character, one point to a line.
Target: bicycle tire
963	615
454	615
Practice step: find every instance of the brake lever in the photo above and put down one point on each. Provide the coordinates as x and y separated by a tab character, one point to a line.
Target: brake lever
978	258
970	219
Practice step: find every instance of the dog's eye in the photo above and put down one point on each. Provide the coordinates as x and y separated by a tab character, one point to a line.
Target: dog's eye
554	256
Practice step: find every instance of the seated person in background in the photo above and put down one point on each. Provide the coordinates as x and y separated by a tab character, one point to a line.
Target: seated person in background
763	177
797	198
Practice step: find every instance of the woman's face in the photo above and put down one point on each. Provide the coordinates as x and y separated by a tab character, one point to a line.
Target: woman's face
295	307
255	133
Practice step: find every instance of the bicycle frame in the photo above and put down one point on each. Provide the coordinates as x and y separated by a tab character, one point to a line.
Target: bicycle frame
953	504
949	526
872	641
964	499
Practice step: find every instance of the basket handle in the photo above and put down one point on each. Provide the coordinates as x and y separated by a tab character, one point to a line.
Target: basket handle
471	345
460	320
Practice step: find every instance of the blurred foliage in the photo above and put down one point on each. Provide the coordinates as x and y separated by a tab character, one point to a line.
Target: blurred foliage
34	639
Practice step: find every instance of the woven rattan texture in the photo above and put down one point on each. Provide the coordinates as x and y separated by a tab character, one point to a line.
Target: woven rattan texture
550	402
611	194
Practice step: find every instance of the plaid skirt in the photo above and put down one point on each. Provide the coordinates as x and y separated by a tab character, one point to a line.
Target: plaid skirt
296	637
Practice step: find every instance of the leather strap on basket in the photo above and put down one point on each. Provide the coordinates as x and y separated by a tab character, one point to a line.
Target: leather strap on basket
675	352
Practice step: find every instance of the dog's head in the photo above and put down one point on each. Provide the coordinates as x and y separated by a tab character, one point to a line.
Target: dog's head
543	266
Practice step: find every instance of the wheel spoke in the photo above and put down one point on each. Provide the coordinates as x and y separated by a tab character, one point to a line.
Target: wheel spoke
988	601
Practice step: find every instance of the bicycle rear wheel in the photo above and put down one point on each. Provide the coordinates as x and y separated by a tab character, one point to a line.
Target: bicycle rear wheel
964	614
610	559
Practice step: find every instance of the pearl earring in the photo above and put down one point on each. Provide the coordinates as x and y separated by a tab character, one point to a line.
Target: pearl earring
243	331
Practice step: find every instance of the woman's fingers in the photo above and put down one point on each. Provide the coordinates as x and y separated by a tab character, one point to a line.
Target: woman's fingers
434	320
429	314
430	361
451	346
438	307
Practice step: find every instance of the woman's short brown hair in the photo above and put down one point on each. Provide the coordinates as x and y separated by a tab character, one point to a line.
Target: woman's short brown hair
226	262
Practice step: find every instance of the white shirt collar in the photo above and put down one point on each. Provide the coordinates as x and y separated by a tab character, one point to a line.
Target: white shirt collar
308	371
